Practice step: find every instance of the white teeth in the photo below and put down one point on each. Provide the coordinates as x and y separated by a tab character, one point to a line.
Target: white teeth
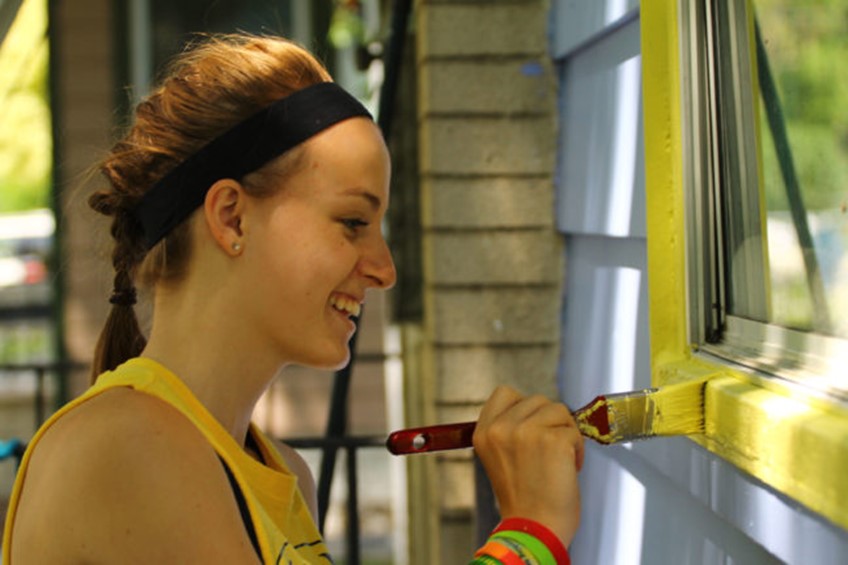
345	305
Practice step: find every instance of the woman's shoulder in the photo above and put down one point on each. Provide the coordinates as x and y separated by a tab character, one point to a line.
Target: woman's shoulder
123	474
119	422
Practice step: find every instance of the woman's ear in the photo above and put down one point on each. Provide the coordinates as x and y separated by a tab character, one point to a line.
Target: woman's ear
223	209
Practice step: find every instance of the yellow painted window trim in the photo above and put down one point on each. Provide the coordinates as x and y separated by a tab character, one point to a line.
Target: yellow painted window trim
789	440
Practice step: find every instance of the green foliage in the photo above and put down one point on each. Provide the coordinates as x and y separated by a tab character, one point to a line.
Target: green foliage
19	197
821	163
25	136
346	28
25	343
807	48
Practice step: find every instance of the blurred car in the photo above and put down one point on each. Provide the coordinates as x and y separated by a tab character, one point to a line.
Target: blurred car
26	242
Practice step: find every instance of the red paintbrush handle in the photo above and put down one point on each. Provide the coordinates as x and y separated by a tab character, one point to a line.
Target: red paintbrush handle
592	421
431	438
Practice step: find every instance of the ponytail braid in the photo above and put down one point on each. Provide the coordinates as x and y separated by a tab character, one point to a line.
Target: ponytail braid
121	337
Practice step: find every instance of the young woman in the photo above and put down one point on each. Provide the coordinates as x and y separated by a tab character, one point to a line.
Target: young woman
248	195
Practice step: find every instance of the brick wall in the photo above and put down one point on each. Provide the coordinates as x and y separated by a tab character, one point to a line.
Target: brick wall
492	259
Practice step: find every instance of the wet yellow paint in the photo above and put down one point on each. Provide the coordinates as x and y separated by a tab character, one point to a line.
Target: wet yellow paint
786	440
795	444
664	182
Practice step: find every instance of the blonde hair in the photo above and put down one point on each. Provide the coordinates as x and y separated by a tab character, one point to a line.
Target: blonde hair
216	83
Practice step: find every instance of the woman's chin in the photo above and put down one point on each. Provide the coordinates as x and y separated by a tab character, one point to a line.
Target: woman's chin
329	361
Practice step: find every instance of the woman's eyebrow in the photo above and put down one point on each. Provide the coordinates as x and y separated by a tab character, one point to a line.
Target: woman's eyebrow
373	200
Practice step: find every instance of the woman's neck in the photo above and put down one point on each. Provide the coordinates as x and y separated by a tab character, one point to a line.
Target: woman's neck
218	361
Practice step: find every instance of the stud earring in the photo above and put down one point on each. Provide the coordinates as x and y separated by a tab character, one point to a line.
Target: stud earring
236	246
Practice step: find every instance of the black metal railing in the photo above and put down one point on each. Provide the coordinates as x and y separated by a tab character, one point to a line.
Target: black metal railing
14	447
350	445
41	399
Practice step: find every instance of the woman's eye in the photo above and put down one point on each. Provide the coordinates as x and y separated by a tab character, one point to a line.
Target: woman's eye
354	224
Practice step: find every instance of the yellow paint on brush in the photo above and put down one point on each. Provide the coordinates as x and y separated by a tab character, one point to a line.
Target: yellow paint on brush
585	418
679	409
631	415
674	410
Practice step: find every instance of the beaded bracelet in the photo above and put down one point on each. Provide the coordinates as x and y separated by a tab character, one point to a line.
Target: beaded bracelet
540	532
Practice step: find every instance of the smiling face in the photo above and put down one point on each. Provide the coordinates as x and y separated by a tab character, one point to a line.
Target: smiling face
312	249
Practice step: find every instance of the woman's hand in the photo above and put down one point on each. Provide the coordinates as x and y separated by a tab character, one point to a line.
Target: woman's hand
532	452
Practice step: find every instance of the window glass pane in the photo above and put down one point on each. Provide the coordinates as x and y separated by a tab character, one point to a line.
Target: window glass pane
802	116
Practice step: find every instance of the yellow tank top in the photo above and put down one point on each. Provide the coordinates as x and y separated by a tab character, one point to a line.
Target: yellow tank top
285	531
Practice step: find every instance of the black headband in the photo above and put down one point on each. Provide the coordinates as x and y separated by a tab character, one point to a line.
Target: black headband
286	123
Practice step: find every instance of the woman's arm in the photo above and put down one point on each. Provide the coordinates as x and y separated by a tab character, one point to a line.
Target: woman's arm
126	478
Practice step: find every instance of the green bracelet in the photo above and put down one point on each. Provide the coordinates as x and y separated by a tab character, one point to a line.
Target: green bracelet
518	548
540	552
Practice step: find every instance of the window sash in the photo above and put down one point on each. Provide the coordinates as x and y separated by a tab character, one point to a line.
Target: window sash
726	218
792	441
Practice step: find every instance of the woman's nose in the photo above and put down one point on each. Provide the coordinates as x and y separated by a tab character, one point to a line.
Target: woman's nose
379	267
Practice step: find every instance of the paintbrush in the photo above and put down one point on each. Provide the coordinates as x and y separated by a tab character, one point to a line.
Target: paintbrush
676	409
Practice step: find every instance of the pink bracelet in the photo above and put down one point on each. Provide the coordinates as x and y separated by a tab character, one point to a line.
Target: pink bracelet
540	532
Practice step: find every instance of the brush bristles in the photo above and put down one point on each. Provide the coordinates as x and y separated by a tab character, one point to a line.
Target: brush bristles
672	410
679	409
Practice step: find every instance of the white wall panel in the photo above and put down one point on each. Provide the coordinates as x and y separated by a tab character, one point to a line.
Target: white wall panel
577	22
601	176
634	515
684	506
605	345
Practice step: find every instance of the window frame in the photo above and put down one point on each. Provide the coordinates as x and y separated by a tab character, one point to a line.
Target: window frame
732	158
753	420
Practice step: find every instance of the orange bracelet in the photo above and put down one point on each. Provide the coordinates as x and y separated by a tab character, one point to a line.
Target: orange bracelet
500	552
540	532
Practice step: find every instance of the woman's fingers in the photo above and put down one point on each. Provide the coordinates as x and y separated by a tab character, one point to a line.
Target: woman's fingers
508	412
502	399
532	450
557	415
